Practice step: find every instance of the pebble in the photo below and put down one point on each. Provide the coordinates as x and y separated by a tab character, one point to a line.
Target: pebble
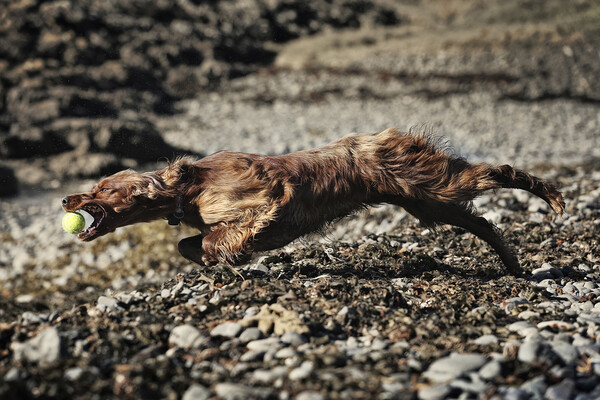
491	370
561	391
546	271
302	372
310	395
486	340
528	351
269	375
510	304
293	338
227	329
45	348
196	392
235	391
286	352
448	368
250	334
434	392
185	336
108	304
270	343
565	351
523	328
252	355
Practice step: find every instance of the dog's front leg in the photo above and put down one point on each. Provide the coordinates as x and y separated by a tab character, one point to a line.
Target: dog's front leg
191	248
228	244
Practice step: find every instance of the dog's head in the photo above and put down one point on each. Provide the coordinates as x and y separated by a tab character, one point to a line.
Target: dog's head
124	198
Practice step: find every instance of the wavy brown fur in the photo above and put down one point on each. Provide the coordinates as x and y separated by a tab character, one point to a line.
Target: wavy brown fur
248	202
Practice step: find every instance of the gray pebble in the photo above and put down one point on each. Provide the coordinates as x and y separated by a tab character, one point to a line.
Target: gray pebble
434	392
185	336
227	329
486	340
252	355
510	304
234	391
269	375
45	348
108	304
529	351
251	334
473	385
270	343
302	372
448	368
196	392
286	352
565	351
491	370
561	391
13	375
310	395
536	386
293	338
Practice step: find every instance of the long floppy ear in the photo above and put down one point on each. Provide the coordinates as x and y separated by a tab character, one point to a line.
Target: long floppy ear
148	185
179	172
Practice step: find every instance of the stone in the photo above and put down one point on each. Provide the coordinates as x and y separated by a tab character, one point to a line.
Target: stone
236	391
185	336
302	372
434	392
227	329
269	375
529	351
486	340
45	348
560	391
567	352
196	392
293	338
251	334
491	370
448	368
108	304
310	395
270	343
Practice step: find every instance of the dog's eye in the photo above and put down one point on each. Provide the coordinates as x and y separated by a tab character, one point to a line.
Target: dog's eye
104	190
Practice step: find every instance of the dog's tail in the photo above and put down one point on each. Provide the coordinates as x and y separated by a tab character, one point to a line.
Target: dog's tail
506	176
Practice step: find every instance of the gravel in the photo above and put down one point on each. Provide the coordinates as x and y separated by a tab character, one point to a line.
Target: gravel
378	307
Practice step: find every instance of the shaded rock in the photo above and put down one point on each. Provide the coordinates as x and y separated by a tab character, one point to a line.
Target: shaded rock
9	185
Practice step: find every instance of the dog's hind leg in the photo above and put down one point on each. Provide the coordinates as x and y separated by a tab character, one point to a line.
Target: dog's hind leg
191	248
464	218
435	213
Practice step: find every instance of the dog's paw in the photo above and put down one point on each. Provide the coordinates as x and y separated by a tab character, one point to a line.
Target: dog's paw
208	260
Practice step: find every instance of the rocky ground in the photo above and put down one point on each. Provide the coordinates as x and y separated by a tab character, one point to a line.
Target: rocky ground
378	308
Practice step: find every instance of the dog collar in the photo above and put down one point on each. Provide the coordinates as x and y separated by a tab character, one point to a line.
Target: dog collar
177	216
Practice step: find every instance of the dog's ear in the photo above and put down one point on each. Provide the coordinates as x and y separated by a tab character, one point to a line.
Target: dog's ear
148	185
179	172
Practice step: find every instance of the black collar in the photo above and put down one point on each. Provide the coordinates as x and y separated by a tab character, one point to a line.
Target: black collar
177	216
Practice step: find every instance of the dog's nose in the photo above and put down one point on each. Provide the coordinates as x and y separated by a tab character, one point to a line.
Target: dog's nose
65	201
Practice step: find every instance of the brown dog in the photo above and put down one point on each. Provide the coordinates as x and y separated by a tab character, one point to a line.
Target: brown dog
246	202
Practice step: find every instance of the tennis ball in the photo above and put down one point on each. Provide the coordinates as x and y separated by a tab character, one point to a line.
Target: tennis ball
73	222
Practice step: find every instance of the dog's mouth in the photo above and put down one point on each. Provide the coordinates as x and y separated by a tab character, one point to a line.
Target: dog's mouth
99	215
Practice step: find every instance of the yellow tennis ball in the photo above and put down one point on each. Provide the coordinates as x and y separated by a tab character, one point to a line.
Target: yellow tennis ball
73	222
